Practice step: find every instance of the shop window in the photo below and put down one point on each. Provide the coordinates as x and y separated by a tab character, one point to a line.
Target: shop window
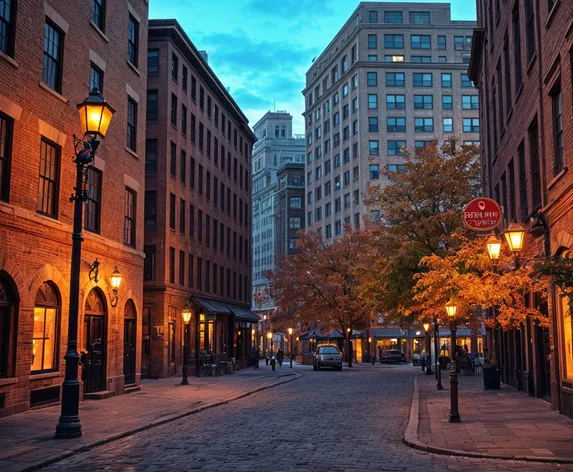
45	335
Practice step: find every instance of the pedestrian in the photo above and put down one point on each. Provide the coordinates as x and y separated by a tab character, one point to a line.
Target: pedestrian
267	357
423	361
257	357
273	362
280	357
380	354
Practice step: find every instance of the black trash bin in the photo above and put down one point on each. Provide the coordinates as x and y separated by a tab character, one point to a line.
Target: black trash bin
491	380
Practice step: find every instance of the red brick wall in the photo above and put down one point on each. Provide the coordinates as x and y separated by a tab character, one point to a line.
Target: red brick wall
160	294
35	248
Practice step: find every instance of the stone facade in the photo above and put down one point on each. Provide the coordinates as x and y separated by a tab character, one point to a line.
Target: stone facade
393	77
198	206
38	117
275	147
522	64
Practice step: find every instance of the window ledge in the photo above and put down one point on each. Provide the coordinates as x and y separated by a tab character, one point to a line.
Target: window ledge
7	58
51	219
551	14
557	178
531	62
45	375
10	381
133	153
53	92
135	69
100	32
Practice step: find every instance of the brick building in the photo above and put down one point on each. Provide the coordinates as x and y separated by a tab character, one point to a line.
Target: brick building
197	210
522	65
51	55
394	77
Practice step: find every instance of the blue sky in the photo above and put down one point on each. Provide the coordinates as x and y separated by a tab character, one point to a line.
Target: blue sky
262	49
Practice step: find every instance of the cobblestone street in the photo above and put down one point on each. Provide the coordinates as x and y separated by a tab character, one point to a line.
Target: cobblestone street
349	420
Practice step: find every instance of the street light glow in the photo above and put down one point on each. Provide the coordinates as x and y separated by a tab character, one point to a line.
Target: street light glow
493	247
451	309
514	236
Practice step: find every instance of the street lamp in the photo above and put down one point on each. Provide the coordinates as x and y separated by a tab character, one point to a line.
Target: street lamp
291	346
437	350
186	313
95	116
493	247
454	417
270	343
514	235
428	348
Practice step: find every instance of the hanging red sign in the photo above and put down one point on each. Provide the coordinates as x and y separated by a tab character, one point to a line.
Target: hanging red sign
482	214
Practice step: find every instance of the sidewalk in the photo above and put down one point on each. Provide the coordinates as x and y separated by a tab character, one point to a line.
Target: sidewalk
28	438
503	424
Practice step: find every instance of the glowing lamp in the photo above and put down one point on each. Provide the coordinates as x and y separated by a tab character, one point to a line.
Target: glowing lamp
493	247
290	331
269	335
451	309
514	236
426	327
116	279
187	313
95	114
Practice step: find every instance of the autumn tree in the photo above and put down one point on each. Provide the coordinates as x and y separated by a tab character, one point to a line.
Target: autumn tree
474	283
419	209
323	282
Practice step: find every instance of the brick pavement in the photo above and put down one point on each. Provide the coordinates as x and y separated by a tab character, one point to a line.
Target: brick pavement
28	438
326	421
502	423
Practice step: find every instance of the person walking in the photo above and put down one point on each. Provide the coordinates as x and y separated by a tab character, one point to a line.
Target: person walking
280	357
423	360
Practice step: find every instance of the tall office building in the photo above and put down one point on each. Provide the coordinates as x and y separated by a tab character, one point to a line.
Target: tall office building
394	77
197	210
275	147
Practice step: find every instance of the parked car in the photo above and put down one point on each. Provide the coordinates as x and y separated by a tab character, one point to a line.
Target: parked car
416	359
393	355
327	356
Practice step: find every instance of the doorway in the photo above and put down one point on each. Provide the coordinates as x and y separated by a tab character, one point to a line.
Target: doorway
129	343
94	355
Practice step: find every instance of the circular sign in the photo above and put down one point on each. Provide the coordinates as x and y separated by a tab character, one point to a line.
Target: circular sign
482	214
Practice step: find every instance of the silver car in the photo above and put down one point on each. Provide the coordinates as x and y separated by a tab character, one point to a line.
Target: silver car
327	356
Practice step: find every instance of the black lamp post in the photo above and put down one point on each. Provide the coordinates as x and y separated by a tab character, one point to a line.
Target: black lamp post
291	346
95	116
428	349
437	349
454	417
186	319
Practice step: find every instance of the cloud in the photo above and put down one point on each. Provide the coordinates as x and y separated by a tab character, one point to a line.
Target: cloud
289	9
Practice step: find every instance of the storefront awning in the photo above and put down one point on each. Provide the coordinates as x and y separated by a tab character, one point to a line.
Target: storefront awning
312	334
214	306
244	314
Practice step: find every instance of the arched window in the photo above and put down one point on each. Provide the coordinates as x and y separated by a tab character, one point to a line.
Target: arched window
46	328
8	306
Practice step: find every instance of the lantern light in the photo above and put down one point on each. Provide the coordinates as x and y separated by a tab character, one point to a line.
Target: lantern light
426	327
514	235
187	313
290	331
116	278
95	114
269	335
451	309
493	247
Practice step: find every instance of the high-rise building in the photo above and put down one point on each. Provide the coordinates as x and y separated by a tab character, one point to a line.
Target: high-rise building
394	77
289	213
522	63
197	211
275	147
52	54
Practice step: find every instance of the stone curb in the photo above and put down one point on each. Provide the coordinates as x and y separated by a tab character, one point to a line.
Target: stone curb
411	439
167	419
